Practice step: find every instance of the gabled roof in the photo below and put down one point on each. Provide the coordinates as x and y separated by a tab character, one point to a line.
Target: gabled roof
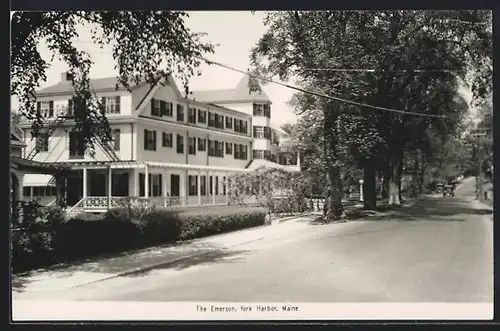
241	93
261	163
97	84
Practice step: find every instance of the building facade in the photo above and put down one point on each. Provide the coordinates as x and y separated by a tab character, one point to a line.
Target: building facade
165	148
257	104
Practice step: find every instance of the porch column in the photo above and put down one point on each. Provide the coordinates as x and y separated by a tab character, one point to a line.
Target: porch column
361	198
165	186
109	186
298	160
146	182
31	193
84	182
135	183
198	182
214	196
226	185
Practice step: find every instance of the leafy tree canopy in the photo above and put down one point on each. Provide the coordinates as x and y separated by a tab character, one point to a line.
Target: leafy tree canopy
147	46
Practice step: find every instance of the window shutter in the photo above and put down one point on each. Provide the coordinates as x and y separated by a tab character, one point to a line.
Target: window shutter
117	101
160	187
154	139
51	108
141	185
152	106
38	106
146	139
70	106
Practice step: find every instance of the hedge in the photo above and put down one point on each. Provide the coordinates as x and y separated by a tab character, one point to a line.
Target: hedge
46	239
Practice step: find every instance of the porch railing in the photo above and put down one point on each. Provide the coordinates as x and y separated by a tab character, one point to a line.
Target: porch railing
99	203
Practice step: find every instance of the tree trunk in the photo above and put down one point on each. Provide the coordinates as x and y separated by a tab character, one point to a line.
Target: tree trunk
335	209
393	186
386	175
369	187
399	179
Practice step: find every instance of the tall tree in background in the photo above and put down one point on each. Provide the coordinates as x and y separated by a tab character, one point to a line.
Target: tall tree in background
147	46
417	57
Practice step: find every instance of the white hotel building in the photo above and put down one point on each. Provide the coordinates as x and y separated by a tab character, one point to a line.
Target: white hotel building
166	148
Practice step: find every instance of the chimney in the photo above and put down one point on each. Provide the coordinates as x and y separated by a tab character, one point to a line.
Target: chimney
65	77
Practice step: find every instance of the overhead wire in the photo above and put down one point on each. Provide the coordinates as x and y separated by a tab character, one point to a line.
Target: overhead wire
319	94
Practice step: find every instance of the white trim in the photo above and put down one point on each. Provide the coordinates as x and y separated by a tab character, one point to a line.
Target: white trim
149	95
148	120
192	167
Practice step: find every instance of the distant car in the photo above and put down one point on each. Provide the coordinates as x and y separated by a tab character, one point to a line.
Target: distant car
449	190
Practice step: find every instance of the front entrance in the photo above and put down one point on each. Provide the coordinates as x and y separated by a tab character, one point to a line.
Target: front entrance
175	185
74	188
119	185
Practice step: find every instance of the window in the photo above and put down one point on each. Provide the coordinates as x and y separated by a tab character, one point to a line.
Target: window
211	186
202	116
240	152
202	145
167	139
224	185
203	185
149	140
116	139
258	132
240	126
192	185
262	110
229	148
76	144
180	144
219	121
111	104
166	108
155	107
229	122
154	185
45	108
258	154
211	148
180	113
219	148
42	142
26	191
211	119
192	145
216	185
192	115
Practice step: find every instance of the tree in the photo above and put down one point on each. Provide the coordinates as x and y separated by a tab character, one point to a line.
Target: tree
147	46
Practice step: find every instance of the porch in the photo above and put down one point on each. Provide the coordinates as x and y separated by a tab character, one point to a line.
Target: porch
98	186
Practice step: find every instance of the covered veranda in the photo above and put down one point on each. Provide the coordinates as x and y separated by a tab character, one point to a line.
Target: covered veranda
98	186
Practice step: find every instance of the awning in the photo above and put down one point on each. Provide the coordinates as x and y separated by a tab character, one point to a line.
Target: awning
38	180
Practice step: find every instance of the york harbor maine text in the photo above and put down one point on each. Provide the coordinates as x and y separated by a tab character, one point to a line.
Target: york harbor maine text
249	161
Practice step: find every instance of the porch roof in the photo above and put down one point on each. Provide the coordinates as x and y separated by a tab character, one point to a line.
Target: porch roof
36	167
81	164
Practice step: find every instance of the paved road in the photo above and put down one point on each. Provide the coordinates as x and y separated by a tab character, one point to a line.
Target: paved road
439	250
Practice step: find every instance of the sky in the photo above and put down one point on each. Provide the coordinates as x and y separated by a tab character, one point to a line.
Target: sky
235	32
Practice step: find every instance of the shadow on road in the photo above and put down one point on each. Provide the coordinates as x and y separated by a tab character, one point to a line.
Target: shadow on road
210	257
426	209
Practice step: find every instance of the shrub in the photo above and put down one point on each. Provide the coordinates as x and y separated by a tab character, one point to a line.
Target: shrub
159	226
195	225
